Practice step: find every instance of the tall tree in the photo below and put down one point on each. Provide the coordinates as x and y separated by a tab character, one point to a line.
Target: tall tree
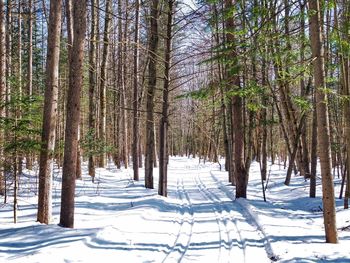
30	66
233	80
322	121
2	91
92	87
103	87
163	130
50	113
135	142
73	111
152	83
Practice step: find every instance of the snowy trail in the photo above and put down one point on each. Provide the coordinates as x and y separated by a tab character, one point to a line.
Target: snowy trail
184	234
117	219
217	224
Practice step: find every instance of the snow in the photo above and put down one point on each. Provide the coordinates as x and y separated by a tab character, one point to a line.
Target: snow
118	220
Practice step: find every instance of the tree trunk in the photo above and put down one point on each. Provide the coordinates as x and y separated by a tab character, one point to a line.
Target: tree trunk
240	173
2	92
125	150
29	163
303	92
135	143
20	90
73	111
70	34
152	83
313	173
103	112
118	94
322	122
92	87
264	120
50	113
163	131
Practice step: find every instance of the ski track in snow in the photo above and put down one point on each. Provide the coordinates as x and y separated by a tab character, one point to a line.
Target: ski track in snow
222	230
230	242
183	238
248	214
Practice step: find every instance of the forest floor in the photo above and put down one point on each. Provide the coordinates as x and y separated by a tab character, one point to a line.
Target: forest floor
118	220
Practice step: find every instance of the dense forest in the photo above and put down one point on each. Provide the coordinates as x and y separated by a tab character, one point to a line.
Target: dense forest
133	82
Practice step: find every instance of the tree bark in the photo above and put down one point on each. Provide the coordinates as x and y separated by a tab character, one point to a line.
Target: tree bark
103	89
163	131
92	88
73	111
322	122
29	164
125	150
240	172
313	172
2	92
70	34
135	143
152	83
50	113
20	83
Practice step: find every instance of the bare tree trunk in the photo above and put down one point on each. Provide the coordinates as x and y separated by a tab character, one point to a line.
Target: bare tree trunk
322	122
73	111
264	120
92	87
20	90
125	150
29	163
8	113
103	112
240	172
163	131
50	113
313	150
135	143
118	94
70	34
2	92
152	83
303	92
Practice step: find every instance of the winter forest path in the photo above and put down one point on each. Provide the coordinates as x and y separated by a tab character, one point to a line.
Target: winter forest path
117	218
220	229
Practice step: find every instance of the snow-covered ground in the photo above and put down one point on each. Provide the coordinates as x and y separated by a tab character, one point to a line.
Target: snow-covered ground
118	220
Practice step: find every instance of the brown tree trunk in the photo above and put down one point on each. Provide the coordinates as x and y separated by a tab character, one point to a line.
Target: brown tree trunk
322	122
2	92
29	163
264	120
135	142
303	92
124	119
103	112
118	95
70	33
313	172
73	111
240	172
19	75
163	131
50	113
152	83
8	113
92	88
